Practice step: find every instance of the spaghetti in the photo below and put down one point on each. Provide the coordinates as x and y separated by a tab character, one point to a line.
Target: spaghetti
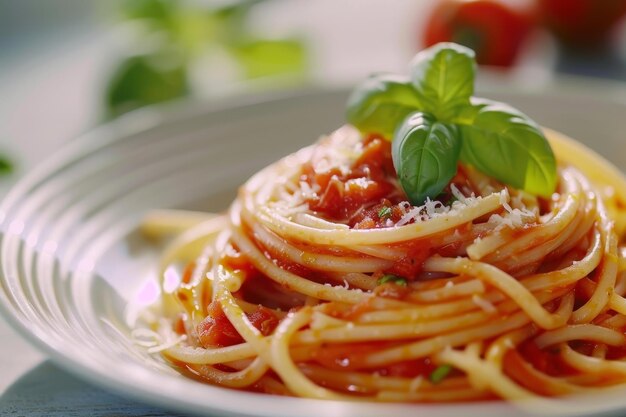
323	282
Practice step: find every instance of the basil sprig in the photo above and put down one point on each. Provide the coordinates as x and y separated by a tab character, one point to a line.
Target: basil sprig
434	121
443	77
381	103
505	144
424	154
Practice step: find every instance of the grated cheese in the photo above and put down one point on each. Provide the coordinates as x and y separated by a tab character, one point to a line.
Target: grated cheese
306	190
483	304
431	209
457	193
412	214
514	218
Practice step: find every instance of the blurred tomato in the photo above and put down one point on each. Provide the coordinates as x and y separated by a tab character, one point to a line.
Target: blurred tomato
581	22
496	32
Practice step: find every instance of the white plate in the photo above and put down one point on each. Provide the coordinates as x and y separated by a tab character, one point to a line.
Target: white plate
74	270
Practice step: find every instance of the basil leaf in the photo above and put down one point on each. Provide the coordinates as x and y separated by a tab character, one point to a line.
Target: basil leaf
425	154
385	212
507	145
381	103
440	373
443	76
393	279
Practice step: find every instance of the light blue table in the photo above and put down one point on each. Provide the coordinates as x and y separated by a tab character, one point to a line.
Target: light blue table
32	386
47	391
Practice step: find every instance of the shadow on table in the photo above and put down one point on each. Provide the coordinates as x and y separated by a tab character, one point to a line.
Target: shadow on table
50	392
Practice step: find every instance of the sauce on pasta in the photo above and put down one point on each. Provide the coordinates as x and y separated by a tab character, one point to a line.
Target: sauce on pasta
322	281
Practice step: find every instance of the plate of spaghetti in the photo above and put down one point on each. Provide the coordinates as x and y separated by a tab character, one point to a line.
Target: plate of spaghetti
432	252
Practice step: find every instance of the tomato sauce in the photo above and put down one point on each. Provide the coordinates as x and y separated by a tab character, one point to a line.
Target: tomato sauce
217	331
528	376
352	357
344	194
238	262
547	361
365	195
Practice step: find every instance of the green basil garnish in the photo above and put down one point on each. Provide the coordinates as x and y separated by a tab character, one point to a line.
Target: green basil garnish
434	121
425	154
443	77
440	373
393	279
385	212
381	103
505	144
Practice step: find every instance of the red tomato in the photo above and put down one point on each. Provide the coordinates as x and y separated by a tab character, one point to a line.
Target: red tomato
494	31
216	329
368	181
581	22
263	319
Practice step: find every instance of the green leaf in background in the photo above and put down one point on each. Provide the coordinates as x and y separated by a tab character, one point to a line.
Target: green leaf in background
507	145
142	80
425	154
192	30
232	19
380	103
6	165
159	10
261	58
443	76
197	31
